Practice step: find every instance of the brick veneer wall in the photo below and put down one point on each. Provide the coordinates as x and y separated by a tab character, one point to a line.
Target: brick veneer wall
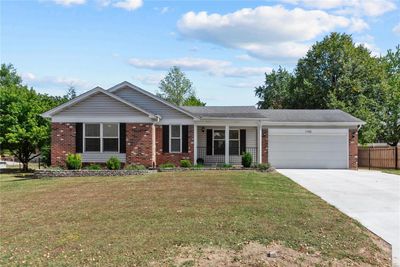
264	145
353	149
62	142
138	144
174	158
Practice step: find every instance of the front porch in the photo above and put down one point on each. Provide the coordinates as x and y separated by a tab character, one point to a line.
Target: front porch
225	144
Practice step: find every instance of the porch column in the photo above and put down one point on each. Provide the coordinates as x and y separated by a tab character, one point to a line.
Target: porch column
194	144
259	143
227	144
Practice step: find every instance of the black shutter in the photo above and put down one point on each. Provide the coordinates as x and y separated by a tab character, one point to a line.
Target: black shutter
122	138
165	138
78	138
185	139
209	142
242	141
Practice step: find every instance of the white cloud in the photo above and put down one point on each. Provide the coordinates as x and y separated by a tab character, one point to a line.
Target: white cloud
54	81
150	79
372	8
265	31
244	57
368	41
129	5
69	2
358	25
186	63
210	66
396	29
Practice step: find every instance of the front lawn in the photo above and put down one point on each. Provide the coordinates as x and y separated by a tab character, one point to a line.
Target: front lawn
139	220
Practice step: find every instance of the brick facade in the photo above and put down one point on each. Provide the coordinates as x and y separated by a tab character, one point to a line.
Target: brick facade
264	145
139	144
174	158
62	142
353	149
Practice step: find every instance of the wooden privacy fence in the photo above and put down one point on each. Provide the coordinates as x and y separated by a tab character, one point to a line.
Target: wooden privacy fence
379	157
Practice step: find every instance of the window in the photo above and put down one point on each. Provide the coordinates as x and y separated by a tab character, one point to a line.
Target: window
110	137
92	137
219	142
234	142
101	137
175	138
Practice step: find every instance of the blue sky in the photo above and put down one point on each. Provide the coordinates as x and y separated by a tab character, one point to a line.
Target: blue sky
224	47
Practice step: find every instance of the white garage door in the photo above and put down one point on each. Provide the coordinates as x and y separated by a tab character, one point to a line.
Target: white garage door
308	148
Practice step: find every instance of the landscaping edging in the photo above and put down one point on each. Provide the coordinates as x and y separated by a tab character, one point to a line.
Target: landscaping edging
84	173
214	169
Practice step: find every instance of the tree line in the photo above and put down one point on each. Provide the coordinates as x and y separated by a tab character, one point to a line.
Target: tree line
336	73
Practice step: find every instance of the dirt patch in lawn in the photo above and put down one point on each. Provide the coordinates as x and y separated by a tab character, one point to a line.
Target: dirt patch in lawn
274	254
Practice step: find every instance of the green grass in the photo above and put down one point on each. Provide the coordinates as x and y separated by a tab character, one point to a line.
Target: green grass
392	171
140	219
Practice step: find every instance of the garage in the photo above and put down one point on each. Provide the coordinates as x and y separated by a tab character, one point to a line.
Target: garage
314	148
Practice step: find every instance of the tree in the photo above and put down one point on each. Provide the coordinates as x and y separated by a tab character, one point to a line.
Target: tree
177	89
390	117
274	92
193	101
335	73
22	130
71	93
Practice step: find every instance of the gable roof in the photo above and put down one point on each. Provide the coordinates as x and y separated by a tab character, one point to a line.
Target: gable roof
52	112
125	84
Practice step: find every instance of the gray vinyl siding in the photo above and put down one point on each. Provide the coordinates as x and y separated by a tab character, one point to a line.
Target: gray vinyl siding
147	103
100	105
99	157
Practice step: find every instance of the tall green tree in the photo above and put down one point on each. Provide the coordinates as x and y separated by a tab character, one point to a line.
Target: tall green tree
23	131
390	117
177	89
335	73
274	93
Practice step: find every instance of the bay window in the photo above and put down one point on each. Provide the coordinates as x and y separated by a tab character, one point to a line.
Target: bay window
101	137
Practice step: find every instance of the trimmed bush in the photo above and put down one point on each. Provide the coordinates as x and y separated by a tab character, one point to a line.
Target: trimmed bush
224	165
263	166
113	163
74	162
167	166
198	166
247	159
135	167
200	161
94	167
185	163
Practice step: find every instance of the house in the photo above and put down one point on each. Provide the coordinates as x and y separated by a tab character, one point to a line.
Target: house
140	128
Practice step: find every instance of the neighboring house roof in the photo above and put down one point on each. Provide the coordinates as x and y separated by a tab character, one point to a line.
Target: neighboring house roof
274	115
52	112
159	99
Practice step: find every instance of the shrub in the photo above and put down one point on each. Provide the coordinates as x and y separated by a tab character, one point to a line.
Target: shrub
224	165
247	159
198	166
135	167
74	162
94	167
113	163
167	166
263	166
185	163
200	161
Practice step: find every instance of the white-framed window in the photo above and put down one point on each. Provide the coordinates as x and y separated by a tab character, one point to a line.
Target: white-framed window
101	137
234	142
175	138
219	142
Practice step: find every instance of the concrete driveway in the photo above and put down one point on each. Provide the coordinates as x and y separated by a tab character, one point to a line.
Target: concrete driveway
370	197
